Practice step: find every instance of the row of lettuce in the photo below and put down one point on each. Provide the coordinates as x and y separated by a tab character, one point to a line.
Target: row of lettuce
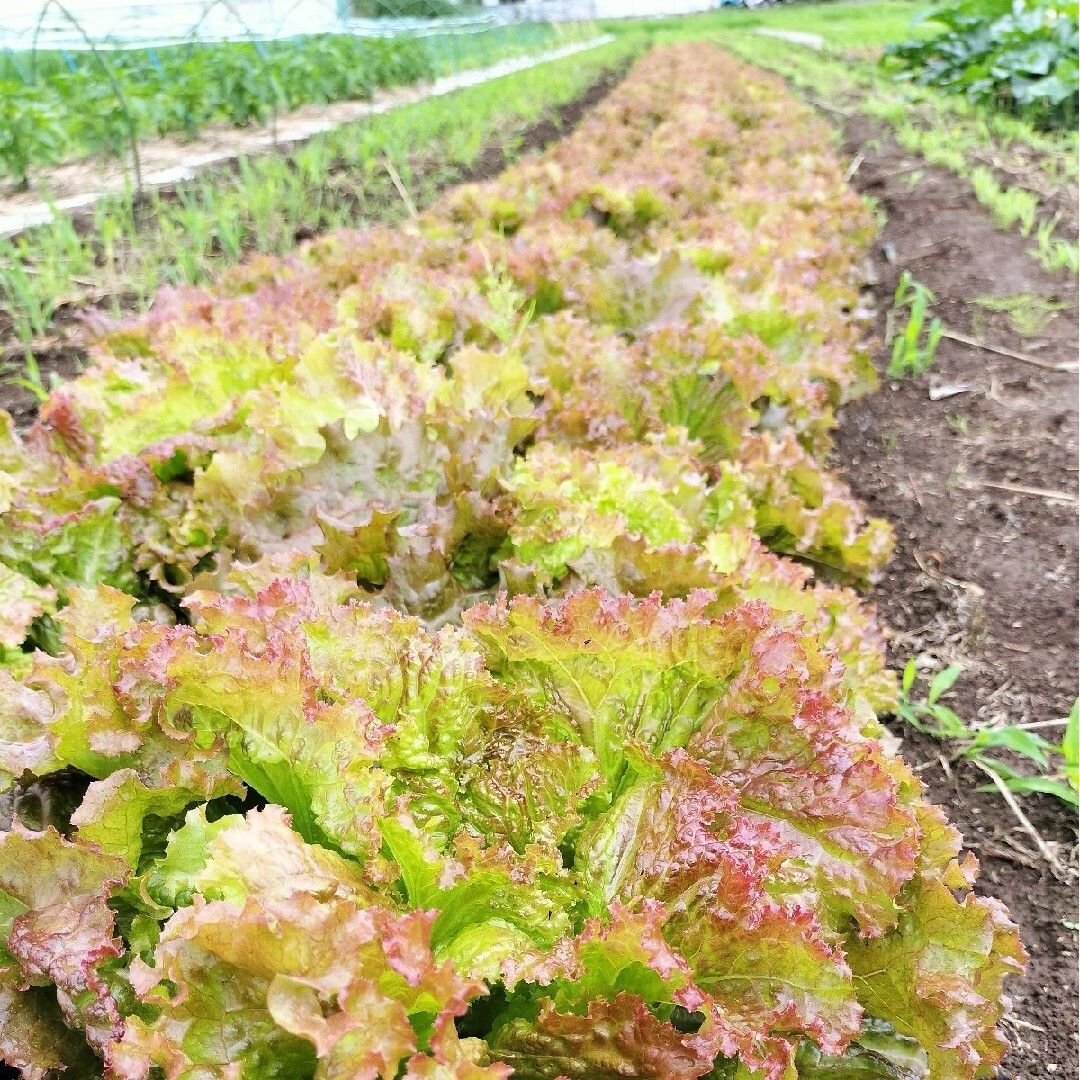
442	637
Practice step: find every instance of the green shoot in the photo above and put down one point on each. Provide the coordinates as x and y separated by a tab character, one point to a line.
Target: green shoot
931	717
959	423
1052	253
914	346
1008	206
1030	315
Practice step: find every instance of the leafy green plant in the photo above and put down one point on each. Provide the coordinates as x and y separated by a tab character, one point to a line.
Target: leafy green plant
1062	781
30	378
21	292
1055	253
101	104
32	131
916	342
959	423
932	717
1020	55
630	817
619	865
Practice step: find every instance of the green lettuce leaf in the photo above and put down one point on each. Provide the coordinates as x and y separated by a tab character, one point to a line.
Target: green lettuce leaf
301	980
802	760
614	669
58	931
939	976
34	1037
762	965
21	602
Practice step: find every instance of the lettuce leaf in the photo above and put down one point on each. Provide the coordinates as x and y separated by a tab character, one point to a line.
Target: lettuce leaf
58	932
939	976
292	967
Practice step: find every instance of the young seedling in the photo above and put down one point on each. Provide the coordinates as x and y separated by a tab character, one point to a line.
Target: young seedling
1064	781
976	743
1052	253
959	423
1008	206
913	348
1029	314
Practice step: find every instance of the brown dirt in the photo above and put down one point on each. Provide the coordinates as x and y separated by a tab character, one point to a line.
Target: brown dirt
61	356
982	577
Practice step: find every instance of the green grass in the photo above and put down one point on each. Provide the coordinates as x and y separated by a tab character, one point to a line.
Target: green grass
1030	315
342	178
1008	206
853	26
1053	253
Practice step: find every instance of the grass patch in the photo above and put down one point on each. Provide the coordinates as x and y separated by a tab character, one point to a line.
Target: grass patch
1008	206
1030	315
854	26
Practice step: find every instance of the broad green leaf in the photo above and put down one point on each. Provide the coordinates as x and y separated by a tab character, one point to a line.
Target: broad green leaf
171	880
948	723
114	811
285	986
612	669
937	977
58	930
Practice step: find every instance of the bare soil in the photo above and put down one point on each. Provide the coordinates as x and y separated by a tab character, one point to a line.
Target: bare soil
983	576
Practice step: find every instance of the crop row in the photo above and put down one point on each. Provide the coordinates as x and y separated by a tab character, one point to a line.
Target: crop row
50	112
450	661
950	130
189	235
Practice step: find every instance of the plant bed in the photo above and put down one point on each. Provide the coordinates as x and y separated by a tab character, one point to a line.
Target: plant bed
1021	174
358	188
100	103
446	635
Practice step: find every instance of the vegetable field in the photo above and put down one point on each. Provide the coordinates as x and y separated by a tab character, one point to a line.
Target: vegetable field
54	108
445	647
